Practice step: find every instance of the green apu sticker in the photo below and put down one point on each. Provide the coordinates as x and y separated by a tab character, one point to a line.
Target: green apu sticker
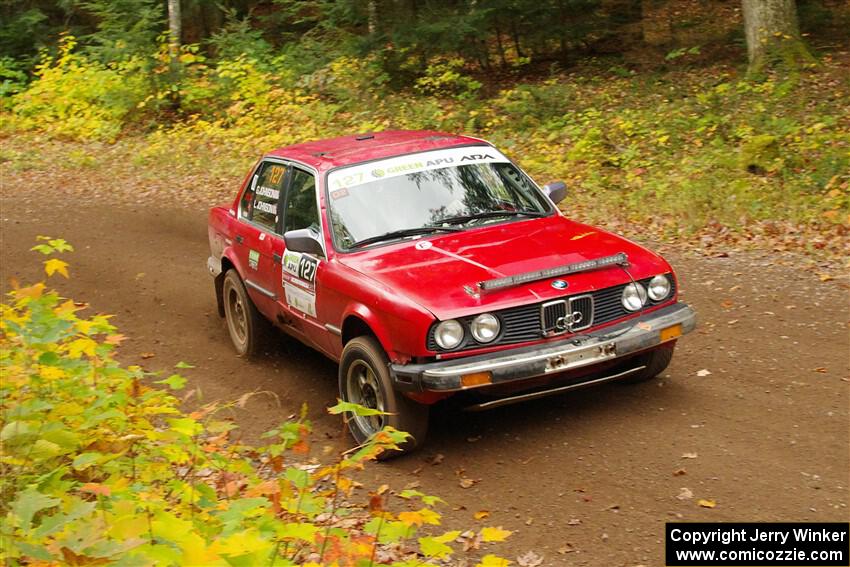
253	259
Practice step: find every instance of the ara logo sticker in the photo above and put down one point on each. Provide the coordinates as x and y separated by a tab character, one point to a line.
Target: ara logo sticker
253	259
560	284
424	245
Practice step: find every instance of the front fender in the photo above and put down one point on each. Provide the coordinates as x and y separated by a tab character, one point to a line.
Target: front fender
375	324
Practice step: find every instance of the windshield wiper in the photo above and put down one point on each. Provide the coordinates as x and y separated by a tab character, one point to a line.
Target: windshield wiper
491	214
393	234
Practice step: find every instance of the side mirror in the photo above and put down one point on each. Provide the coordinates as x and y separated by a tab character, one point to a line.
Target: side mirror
557	191
303	240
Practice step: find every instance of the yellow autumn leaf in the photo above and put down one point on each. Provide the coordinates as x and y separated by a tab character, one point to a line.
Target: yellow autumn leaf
411	518
242	543
55	265
84	326
491	560
196	552
66	308
128	527
494	534
51	372
31	292
481	514
81	346
430	517
448	537
706	503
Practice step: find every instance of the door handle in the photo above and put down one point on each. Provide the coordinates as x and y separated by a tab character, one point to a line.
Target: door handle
239	239
276	257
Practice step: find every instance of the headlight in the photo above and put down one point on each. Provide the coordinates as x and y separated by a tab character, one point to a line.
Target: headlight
485	328
448	334
659	288
634	296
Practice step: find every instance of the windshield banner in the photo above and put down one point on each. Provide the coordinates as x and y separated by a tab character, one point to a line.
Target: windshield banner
413	163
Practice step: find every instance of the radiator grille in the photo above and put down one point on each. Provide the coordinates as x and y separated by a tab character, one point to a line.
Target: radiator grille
566	315
528	322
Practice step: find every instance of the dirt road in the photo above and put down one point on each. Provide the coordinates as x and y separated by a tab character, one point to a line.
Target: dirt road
588	478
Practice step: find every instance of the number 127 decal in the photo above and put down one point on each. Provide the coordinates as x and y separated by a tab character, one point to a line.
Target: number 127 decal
300	265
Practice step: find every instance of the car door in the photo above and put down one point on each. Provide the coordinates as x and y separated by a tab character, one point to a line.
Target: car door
300	274
259	216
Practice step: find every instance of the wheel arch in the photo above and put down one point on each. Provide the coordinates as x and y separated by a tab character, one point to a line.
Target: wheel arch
226	265
359	320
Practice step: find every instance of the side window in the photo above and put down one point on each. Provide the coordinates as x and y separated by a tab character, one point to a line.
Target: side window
301	210
259	202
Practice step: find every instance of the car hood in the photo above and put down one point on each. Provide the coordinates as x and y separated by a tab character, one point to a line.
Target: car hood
442	272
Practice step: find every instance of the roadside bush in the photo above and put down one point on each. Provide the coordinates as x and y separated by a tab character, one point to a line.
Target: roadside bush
100	465
72	96
445	77
12	78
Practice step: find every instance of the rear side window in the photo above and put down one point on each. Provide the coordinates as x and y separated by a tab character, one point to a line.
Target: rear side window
301	210
260	200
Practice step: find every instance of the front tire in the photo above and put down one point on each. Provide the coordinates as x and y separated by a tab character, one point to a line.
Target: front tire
656	362
249	331
364	379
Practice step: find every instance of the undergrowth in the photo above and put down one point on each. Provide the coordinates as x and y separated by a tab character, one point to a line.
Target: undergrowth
686	148
101	465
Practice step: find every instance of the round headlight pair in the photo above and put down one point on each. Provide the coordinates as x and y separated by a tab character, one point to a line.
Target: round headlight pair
449	334
635	295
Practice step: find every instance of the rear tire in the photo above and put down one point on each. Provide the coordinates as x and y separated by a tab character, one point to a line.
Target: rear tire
364	379
249	331
656	362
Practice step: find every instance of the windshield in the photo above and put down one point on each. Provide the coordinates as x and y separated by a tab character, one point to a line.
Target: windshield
457	187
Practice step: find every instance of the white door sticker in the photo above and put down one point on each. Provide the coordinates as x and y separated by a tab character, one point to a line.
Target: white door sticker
300	299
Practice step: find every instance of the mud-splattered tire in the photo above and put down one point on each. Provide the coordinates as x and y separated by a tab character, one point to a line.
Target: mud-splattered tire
656	362
249	331
364	379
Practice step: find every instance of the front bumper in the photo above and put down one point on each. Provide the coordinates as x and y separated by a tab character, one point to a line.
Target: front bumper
514	365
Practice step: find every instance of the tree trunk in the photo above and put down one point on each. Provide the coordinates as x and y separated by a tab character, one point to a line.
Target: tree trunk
773	34
372	15
174	31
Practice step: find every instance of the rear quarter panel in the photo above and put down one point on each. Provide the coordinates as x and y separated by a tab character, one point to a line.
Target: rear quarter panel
220	232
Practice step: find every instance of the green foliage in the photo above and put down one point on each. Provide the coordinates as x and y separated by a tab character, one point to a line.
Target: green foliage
118	37
682	52
99	467
12	78
23	30
238	38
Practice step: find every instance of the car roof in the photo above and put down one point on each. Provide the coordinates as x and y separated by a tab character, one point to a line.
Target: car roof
347	150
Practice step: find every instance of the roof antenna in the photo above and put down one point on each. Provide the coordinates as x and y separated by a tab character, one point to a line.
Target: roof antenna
361	137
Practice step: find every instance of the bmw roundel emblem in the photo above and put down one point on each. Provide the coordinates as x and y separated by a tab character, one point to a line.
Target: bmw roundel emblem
559	284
